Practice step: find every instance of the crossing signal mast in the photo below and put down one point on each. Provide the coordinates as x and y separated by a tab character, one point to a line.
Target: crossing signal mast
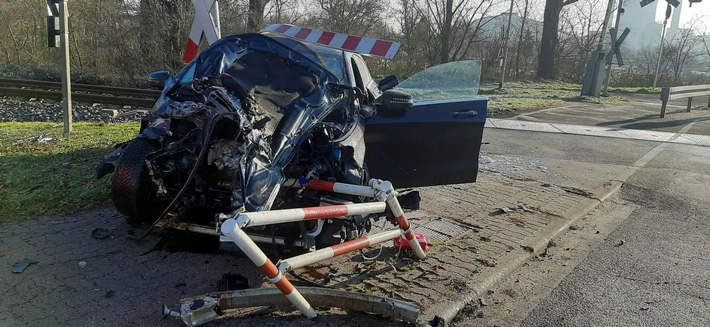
592	82
57	36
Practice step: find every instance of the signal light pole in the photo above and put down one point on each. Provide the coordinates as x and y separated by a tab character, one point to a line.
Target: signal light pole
59	8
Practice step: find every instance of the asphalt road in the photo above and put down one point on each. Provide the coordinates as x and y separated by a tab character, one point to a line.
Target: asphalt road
641	259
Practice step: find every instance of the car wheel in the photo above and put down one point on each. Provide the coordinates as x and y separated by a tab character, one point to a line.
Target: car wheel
132	191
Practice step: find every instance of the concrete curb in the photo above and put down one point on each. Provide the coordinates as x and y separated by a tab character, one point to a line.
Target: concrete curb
443	313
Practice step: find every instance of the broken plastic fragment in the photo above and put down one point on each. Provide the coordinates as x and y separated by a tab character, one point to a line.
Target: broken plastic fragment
22	265
505	210
401	242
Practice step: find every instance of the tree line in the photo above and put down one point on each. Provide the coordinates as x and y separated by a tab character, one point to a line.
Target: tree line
120	41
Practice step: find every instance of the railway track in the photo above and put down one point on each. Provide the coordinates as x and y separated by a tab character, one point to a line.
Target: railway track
142	98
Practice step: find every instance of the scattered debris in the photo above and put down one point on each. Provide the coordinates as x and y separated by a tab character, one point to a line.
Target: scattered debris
22	265
100	233
645	308
483	302
544	253
485	239
178	285
82	264
506	210
517	207
527	248
232	282
43	139
486	262
619	243
574	227
169	313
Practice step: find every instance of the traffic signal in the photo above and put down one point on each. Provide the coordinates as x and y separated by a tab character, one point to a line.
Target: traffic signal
52	24
53	31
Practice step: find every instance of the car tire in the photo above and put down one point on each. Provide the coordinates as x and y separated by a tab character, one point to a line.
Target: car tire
132	191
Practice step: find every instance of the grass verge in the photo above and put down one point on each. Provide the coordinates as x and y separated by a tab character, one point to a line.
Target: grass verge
44	172
526	96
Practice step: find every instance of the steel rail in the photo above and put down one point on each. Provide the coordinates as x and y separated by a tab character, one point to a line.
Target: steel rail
80	87
85	97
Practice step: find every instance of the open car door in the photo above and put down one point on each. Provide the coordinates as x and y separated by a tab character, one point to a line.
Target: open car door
438	140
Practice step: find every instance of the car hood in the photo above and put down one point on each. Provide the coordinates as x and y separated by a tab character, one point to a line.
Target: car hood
283	91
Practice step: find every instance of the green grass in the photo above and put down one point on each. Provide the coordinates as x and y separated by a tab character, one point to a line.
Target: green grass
43	172
525	96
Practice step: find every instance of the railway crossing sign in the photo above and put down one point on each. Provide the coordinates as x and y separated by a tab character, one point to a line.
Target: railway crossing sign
206	22
616	46
674	3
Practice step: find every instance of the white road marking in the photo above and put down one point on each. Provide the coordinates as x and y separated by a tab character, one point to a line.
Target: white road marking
623	133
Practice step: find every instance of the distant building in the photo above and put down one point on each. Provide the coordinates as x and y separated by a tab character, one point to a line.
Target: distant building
645	31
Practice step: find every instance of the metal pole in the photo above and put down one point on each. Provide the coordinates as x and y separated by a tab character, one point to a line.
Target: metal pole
660	52
505	47
609	9
613	47
66	65
591	84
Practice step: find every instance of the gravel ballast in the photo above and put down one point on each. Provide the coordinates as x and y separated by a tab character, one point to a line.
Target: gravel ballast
14	109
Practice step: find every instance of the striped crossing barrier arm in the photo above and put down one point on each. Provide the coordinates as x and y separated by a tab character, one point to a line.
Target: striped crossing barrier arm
383	191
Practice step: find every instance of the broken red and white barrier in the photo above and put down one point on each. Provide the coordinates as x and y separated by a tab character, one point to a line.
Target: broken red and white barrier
382	191
359	44
231	229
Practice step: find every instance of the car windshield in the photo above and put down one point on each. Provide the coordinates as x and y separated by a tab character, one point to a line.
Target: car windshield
453	80
330	59
222	56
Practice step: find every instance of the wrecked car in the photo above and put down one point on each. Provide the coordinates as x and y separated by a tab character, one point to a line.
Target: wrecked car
256	116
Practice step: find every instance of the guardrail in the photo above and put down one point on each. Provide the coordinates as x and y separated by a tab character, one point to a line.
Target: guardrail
680	92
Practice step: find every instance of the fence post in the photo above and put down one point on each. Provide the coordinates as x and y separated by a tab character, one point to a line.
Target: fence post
690	103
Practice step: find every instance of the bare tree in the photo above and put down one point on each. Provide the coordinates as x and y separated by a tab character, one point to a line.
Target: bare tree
350	16
454	25
550	37
256	14
684	47
581	25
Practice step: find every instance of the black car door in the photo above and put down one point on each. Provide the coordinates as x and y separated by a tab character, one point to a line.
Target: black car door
434	143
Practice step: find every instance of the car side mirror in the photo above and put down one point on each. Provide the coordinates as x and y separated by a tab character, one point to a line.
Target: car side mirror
156	80
388	83
394	103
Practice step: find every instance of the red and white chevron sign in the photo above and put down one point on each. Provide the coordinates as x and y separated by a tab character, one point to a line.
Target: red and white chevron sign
202	23
363	45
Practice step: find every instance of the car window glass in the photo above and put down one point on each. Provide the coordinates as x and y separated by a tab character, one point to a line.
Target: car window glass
331	59
334	64
358	76
453	80
187	74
